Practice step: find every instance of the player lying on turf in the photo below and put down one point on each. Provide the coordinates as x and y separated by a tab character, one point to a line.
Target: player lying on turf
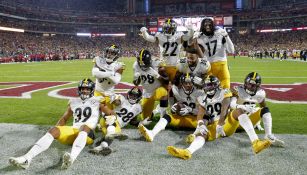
215	104
85	111
125	111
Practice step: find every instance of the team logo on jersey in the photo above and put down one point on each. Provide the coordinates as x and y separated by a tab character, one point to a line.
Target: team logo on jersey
284	93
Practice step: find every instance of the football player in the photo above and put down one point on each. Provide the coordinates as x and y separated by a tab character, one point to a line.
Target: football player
246	97
193	65
107	71
183	112
126	112
170	43
85	111
214	106
214	42
152	76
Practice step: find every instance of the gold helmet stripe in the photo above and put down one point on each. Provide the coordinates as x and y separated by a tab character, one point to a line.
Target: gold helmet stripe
254	76
141	56
169	21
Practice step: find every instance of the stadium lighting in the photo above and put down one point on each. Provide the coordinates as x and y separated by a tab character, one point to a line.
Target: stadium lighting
84	34
12	29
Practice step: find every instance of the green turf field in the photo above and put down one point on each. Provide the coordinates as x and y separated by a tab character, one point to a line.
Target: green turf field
44	110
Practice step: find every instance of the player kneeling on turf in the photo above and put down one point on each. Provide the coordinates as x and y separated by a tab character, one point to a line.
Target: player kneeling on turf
85	111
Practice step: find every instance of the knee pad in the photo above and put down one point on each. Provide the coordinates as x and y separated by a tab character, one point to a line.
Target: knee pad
264	111
167	118
164	103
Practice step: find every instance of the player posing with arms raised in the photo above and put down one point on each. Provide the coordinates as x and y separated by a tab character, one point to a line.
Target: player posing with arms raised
246	97
170	43
108	73
85	111
183	112
125	112
152	76
215	42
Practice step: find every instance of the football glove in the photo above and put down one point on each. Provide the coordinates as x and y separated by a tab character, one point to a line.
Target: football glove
143	29
186	110
201	129
145	122
110	119
197	81
174	108
258	126
220	131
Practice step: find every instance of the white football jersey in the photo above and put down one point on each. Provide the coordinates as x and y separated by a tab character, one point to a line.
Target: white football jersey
85	112
213	105
126	111
170	47
200	70
214	49
245	98
149	82
105	85
190	99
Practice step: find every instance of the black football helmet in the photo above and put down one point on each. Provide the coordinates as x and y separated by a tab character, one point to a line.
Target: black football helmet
144	59
111	53
134	95
211	85
207	26
187	83
252	83
169	27
86	84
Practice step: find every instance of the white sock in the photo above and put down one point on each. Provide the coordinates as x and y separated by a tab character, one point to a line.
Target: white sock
41	145
159	126
162	111
198	142
267	122
247	125
111	129
78	144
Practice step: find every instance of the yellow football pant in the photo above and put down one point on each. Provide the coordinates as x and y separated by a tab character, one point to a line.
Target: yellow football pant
104	126
106	98
220	70
188	121
68	134
148	103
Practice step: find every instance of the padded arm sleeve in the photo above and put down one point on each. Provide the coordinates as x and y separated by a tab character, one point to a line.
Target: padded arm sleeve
99	74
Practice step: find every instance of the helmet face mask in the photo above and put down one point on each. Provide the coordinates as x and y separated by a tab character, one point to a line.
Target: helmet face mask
169	27
111	54
134	95
187	83
211	85
86	88
252	83
207	26
144	59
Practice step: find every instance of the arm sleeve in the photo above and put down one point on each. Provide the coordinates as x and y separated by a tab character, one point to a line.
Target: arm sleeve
115	78
99	74
233	103
229	45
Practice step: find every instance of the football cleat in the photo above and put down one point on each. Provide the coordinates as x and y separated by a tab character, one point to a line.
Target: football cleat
67	161
118	136
180	153
190	138
259	145
274	141
21	162
100	150
145	133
